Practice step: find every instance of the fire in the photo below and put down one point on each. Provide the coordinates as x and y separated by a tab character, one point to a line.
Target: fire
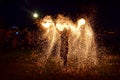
47	22
82	46
61	23
81	22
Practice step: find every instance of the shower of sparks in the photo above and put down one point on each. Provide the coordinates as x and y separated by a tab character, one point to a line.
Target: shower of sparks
82	47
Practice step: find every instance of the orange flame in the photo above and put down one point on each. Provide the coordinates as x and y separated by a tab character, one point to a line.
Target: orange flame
61	23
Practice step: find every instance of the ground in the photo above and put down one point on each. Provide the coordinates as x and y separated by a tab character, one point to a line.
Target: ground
18	65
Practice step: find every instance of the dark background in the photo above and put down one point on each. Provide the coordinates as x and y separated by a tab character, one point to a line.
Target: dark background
106	14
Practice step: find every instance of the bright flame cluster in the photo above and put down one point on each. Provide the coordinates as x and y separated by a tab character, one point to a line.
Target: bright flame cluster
61	23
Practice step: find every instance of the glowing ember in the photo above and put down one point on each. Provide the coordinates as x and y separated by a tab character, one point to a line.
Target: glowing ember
81	44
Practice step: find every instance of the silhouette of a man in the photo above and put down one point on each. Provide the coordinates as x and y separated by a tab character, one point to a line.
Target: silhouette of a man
64	46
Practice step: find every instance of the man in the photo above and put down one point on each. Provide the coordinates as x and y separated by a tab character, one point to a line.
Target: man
64	46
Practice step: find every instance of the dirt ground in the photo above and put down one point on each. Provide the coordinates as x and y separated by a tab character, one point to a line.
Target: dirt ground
19	66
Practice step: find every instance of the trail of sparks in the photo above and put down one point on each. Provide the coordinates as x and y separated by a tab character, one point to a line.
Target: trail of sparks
82	47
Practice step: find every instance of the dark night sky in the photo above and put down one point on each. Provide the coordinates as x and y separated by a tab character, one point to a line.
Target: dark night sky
18	12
